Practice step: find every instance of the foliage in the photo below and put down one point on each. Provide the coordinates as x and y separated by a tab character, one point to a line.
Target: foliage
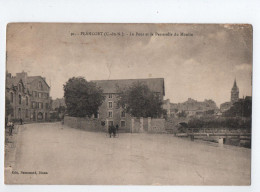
82	98
242	108
60	109
103	123
139	101
225	122
8	107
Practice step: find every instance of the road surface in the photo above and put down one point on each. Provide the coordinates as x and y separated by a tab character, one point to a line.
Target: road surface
65	155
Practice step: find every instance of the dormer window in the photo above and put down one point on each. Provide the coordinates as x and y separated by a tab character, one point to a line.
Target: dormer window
40	85
27	100
19	87
110	95
123	114
110	105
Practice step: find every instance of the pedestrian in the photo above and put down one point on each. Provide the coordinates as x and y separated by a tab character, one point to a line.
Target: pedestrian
114	130
10	125
21	121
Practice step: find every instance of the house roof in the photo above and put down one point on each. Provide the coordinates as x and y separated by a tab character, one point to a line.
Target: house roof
12	82
30	79
110	86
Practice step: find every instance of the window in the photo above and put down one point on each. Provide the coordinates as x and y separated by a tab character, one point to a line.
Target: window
110	95
12	97
123	114
45	95
35	94
122	123
46	105
110	123
110	114
33	105
110	105
19	113
26	113
40	116
27	102
20	99
40	95
19	87
40	105
40	85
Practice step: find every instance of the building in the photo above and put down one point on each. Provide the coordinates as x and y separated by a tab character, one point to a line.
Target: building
225	106
193	107
109	112
234	98
58	109
59	102
29	97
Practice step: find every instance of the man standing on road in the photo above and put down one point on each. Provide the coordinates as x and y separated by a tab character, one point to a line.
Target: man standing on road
11	127
21	121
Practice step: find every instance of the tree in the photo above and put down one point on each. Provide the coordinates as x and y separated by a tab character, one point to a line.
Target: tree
82	98
242	108
8	107
139	101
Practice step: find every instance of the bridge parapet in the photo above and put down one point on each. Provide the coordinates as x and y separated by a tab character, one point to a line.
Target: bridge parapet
216	130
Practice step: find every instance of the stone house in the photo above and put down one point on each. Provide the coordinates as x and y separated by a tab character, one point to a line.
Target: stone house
109	112
29	97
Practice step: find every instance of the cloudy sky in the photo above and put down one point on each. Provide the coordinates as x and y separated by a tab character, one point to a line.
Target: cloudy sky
202	66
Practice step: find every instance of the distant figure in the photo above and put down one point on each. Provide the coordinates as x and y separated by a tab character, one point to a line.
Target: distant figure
21	121
10	125
112	129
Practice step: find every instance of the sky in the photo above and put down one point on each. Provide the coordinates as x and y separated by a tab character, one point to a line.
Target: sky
201	66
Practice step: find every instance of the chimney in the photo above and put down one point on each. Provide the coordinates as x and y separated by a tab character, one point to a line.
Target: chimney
23	76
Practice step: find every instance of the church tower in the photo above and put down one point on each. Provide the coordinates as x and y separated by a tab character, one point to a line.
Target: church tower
234	93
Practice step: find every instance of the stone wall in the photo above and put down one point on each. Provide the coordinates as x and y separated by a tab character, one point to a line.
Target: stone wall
156	126
137	125
87	124
141	125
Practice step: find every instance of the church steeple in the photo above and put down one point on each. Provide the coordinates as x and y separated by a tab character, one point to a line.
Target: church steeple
234	92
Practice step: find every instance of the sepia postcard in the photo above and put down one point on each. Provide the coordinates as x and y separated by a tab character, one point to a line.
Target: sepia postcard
128	104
